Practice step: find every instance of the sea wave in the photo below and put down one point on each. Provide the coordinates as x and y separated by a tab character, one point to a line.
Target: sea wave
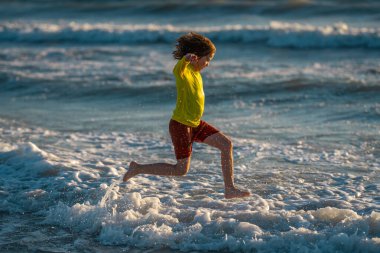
117	8
275	34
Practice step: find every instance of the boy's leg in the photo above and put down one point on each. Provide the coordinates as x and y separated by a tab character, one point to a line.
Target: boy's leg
224	144
181	138
160	169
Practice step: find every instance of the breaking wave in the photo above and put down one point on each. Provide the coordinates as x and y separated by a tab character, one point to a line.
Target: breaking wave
275	34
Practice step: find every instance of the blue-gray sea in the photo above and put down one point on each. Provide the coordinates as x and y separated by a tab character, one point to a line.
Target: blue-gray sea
87	86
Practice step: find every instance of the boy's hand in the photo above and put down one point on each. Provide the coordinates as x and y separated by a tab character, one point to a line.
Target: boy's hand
191	57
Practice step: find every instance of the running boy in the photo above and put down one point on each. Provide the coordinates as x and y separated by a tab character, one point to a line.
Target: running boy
194	53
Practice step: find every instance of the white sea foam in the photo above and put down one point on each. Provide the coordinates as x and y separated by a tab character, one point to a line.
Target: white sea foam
277	34
147	222
294	208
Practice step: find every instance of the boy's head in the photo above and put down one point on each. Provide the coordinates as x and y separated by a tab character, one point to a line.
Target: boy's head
194	43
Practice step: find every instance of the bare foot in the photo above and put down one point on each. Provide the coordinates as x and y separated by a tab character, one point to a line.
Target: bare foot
235	193
132	171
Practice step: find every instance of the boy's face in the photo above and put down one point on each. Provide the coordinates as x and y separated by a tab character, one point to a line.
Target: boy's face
204	61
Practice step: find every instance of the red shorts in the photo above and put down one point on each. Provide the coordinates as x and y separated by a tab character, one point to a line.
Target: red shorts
183	136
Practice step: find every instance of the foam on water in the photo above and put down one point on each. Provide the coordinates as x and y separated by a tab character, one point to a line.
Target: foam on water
301	207
148	222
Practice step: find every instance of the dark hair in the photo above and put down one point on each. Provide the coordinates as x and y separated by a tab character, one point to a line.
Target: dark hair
194	43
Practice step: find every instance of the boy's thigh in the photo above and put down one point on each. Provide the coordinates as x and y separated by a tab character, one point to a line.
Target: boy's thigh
219	140
204	131
181	139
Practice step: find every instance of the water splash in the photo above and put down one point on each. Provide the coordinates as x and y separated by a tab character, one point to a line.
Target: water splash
103	201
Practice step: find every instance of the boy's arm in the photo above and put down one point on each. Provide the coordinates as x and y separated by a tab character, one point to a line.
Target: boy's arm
182	64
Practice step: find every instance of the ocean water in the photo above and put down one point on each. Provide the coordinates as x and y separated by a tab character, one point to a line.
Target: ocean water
87	86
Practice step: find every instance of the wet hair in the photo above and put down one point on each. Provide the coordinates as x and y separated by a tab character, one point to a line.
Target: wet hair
194	43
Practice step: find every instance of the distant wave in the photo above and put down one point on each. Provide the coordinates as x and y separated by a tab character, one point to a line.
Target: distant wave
120	8
276	34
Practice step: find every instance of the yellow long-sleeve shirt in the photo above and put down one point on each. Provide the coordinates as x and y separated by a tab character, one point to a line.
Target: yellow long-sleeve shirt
190	96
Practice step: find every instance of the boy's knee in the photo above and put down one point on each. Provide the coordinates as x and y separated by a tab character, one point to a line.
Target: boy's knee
227	145
182	168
